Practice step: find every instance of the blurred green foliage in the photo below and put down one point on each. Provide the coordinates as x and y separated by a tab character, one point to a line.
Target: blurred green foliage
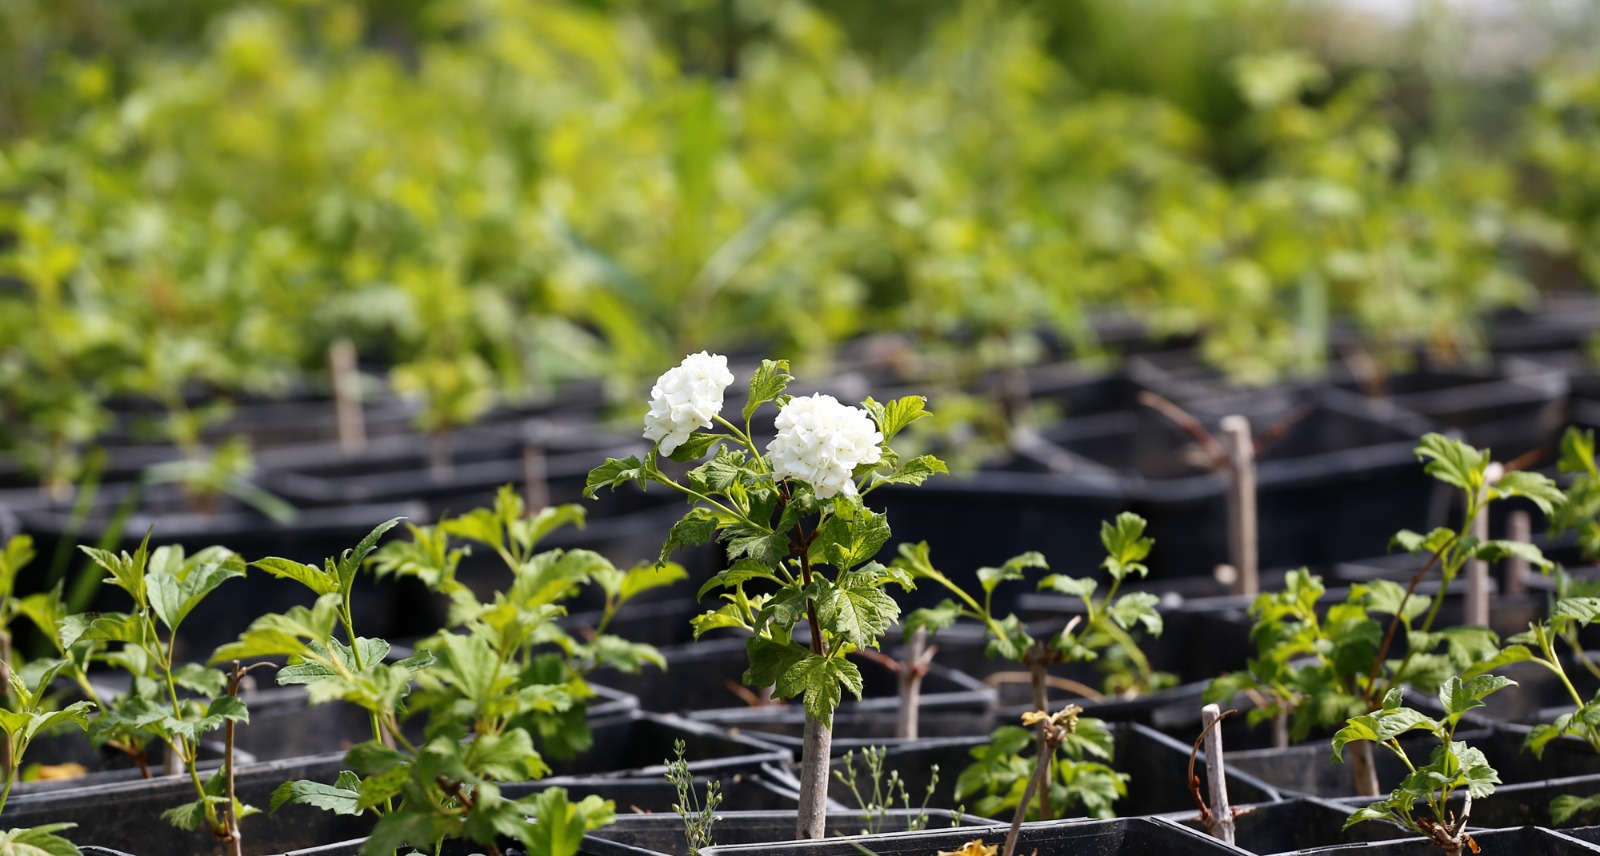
206	193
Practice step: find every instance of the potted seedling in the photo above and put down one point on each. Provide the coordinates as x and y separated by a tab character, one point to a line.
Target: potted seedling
1453	765
799	535
1318	664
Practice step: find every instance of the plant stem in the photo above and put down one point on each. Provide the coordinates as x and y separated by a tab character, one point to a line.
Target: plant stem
811	820
911	672
1040	770
230	817
1041	703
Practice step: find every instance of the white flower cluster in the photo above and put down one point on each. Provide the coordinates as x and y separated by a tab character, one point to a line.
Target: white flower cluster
821	442
686	398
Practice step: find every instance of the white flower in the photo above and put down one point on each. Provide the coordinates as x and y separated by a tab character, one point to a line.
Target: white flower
821	442
686	398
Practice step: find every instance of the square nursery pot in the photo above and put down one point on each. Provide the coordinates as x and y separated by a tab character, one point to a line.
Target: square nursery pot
126	816
703	681
640	803
105	766
1145	836
638	745
314	535
1297	824
1337	482
1526	841
662	834
1156	764
283	725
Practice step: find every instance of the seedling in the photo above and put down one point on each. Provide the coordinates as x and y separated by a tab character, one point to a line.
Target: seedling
886	790
1453	765
698	820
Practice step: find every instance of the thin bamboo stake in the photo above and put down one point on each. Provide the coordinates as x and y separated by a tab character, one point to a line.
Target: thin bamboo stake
1519	527
350	421
1242	544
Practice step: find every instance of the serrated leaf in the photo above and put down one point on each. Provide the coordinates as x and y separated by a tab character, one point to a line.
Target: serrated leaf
287	634
613	473
727	616
767	548
768	382
914	472
1075	586
1566	806
696	447
1532	486
769	659
38	841
1126	546
1584	609
1137	607
172	597
309	576
341	797
1014	569
1497	551
846	542
559	825
1452	461
855	610
821	680
697	527
741	572
932	619
1376	811
1510	654
894	416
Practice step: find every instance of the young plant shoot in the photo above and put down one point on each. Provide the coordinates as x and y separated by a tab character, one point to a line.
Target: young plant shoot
798	532
1453	765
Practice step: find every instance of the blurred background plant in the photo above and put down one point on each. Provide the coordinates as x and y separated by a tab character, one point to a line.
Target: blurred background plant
496	198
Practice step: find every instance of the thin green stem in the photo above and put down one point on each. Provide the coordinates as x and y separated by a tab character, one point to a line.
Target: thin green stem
709	501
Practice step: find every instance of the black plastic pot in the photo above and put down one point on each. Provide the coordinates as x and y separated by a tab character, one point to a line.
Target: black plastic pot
1526	841
1297	824
312	537
650	800
638	745
1335	485
642	834
105	766
282	725
1157	764
1123	837
127	815
700	681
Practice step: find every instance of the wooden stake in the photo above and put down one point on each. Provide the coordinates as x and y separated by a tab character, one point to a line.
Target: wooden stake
536	485
348	416
1477	573
1242	546
1362	769
1519	527
1217	775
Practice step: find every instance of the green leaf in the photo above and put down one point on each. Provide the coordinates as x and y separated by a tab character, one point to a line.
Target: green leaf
1414	543
697	527
1452	461
769	659
625	656
101	627
127	572
18	552
767	548
341	797
741	572
1389	598
1126	546
696	447
1062	584
822	680
934	619
309	576
1376	811
914	472
38	841
768	382
1137	607
727	616
1013	569
1497	551
894	416
284	635
1582	609
1534	487
559	825
1564	807
614	473
173	597
847	541
528	531
1510	654
855	610
1458	697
